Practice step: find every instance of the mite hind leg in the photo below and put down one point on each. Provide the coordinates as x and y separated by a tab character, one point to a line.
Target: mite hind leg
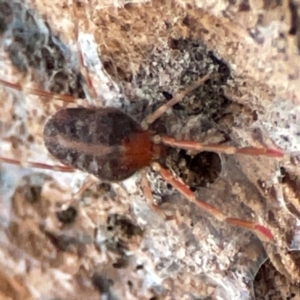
260	230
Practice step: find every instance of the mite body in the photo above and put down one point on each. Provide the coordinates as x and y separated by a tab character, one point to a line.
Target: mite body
112	146
102	141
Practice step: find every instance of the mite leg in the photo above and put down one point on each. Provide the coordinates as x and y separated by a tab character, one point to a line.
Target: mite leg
58	168
149	197
89	90
65	169
88	182
258	229
177	98
37	92
198	147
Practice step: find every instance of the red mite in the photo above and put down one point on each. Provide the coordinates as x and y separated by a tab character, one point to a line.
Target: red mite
112	146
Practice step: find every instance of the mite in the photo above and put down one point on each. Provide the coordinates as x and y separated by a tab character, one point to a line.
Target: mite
111	145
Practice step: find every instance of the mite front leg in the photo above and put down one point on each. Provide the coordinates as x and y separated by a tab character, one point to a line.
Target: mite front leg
177	98
195	146
258	229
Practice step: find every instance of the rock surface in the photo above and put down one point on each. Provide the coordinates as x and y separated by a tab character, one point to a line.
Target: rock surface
109	243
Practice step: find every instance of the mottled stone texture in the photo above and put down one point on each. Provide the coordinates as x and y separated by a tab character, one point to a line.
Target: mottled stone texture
108	241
